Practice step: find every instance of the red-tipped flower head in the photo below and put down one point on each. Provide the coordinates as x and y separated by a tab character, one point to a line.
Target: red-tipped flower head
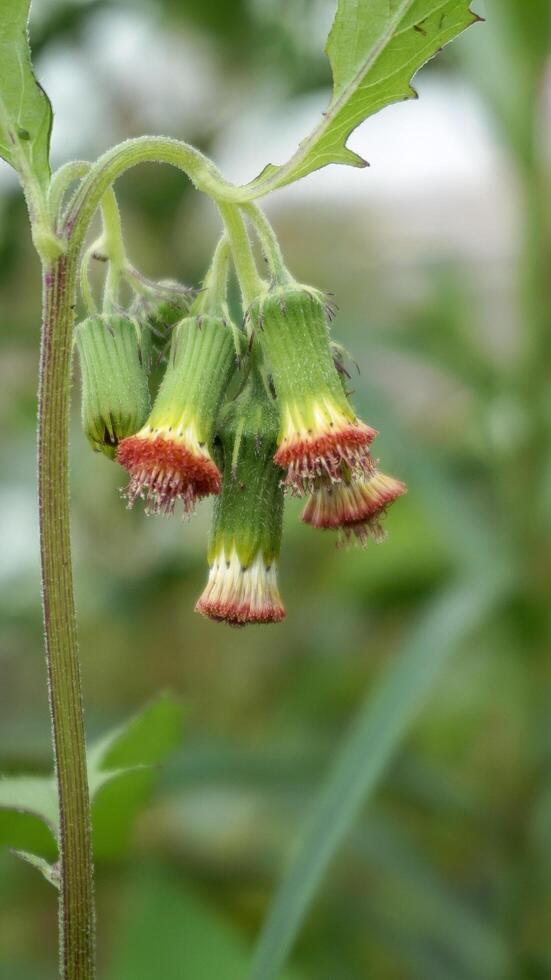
169	459
319	430
353	507
246	533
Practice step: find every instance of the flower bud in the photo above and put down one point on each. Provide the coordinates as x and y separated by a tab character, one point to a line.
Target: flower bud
246	532
163	305
319	430
355	506
170	457
115	393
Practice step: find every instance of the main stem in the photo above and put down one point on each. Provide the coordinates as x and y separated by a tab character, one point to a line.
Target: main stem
76	904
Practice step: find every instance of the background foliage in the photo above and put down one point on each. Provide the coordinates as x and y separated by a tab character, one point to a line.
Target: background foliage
442	279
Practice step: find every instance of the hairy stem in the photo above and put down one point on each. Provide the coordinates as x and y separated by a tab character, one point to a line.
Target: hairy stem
249	281
76	905
269	243
84	278
113	241
202	172
212	297
60	183
113	246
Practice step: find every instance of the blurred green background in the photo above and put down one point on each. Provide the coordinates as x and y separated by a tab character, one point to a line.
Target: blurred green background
439	256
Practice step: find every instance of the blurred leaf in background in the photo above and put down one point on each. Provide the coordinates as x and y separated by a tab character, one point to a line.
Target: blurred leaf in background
120	776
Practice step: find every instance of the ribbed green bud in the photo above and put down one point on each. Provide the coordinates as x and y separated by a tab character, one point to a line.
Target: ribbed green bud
115	393
246	530
200	364
319	430
248	513
293	332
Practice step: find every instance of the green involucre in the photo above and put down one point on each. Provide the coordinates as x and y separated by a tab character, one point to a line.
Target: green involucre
200	366
291	325
248	513
115	392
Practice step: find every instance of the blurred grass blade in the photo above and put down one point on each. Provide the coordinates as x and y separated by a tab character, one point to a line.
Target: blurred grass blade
375	734
462	927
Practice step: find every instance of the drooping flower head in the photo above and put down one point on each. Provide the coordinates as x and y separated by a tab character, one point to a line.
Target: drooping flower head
319	430
355	506
169	459
112	352
246	531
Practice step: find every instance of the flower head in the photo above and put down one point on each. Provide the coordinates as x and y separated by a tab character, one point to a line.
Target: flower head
169	459
319	430
115	393
246	533
354	507
240	594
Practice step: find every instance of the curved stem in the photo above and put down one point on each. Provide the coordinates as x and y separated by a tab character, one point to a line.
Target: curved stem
212	297
249	280
113	242
84	279
269	243
62	180
145	149
113	246
76	906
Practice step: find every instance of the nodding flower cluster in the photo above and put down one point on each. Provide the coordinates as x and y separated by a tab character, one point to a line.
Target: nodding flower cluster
323	447
243	427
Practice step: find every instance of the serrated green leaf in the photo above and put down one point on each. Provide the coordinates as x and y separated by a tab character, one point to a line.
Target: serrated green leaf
120	777
25	110
145	739
375	48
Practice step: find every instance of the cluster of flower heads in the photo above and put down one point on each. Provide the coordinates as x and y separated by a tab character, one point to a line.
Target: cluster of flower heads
244	416
323	447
